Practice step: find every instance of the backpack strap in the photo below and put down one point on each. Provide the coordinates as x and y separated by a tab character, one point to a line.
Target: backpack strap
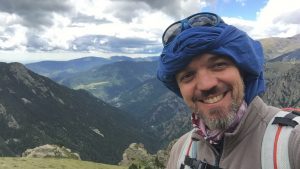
188	149
188	156
275	141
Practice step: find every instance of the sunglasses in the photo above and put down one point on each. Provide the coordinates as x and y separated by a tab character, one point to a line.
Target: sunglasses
198	19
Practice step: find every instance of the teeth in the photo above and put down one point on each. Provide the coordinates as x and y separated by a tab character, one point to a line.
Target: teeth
213	99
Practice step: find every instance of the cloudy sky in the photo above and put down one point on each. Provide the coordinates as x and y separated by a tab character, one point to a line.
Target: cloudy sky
32	30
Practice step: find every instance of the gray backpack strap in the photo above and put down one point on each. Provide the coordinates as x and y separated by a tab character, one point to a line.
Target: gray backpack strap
274	153
190	147
188	156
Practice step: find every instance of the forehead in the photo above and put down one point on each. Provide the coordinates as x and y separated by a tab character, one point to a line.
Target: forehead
208	58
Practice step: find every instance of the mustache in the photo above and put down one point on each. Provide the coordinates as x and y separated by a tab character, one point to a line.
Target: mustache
212	91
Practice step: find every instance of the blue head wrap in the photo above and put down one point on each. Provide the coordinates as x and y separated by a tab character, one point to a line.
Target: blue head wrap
222	39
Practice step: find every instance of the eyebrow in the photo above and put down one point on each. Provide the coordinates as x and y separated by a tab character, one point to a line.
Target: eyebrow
212	59
217	57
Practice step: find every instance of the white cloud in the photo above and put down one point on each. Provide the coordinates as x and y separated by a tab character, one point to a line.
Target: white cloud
59	25
245	25
9	19
13	37
277	19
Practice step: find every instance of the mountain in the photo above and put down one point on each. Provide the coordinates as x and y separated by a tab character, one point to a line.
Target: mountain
132	87
167	114
35	111
108	81
292	56
120	58
283	84
58	70
148	100
156	107
274	47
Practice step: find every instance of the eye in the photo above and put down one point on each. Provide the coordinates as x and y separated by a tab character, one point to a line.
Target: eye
220	65
187	76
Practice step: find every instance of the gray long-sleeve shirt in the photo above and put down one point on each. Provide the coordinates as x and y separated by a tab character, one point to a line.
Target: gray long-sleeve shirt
242	148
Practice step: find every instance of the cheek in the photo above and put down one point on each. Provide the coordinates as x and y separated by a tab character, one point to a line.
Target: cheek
239	90
187	95
187	90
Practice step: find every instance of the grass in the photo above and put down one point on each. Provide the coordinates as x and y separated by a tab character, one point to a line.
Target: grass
51	163
90	86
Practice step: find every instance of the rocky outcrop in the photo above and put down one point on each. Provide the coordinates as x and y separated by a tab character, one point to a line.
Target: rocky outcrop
52	151
137	155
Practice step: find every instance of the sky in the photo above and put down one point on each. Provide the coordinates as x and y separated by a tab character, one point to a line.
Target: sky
35	30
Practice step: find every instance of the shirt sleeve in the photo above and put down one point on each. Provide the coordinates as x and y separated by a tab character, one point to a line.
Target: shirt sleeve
175	152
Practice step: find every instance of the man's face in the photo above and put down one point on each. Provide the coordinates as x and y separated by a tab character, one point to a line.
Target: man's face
212	87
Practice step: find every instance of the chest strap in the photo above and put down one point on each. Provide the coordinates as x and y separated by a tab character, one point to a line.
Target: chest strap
193	163
276	138
188	156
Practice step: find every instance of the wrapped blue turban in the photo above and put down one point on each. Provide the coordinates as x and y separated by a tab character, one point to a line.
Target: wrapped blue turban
222	39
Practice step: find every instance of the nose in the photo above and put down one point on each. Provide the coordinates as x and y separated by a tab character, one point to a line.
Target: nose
206	80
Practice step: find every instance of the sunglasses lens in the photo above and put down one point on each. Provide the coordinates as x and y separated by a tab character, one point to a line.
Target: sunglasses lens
203	20
171	32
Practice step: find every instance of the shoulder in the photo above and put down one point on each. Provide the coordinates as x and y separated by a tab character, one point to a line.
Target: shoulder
258	109
295	136
294	147
176	151
296	133
177	147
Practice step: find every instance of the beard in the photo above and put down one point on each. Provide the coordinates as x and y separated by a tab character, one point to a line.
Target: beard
220	118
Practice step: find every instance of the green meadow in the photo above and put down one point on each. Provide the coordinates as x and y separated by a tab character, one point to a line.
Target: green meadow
51	163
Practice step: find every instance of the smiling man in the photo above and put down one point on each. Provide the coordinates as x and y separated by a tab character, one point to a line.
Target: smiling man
218	71
212	86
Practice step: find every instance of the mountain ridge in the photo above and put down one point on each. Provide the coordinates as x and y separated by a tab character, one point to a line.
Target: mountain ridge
34	111
275	46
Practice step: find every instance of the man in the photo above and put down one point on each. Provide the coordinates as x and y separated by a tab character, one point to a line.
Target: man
218	71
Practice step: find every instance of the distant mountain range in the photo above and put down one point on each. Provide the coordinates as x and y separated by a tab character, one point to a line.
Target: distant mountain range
109	81
292	56
58	70
35	111
274	47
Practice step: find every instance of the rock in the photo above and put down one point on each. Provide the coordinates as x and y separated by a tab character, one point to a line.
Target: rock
52	151
135	153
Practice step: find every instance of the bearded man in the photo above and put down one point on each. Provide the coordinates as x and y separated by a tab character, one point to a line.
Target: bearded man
218	71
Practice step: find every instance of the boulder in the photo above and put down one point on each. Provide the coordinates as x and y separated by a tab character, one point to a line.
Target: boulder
52	151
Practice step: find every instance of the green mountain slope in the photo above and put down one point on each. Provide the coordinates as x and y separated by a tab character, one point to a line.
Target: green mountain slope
157	107
283	84
150	102
108	81
35	111
166	113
